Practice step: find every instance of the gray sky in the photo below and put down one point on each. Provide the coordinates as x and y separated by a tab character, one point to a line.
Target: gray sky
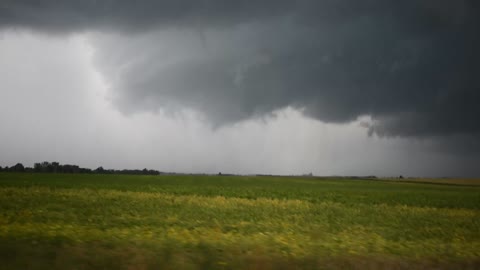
284	87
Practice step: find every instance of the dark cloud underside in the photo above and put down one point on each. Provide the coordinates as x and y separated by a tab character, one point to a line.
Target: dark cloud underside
411	65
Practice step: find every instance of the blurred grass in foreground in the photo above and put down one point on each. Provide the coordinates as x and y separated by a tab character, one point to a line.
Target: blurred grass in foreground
219	222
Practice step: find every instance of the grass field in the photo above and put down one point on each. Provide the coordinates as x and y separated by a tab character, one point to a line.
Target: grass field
444	181
54	221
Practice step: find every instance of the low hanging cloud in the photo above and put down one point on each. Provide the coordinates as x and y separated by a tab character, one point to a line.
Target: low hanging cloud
411	66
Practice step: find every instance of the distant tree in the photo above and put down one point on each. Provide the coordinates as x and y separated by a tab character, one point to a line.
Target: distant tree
67	168
45	167
85	170
153	172
55	167
37	167
99	170
18	168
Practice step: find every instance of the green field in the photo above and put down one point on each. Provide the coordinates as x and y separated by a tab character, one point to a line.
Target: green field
55	221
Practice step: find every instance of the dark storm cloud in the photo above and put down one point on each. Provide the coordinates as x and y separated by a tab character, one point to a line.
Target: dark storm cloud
410	65
125	15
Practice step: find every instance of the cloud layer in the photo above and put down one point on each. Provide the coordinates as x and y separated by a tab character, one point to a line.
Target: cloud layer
412	66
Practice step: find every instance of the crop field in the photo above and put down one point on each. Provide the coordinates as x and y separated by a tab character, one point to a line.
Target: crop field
68	221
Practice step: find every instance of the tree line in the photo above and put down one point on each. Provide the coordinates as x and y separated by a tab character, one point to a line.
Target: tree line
56	167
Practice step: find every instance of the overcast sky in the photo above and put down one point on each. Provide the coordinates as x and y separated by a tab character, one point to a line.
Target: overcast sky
332	87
